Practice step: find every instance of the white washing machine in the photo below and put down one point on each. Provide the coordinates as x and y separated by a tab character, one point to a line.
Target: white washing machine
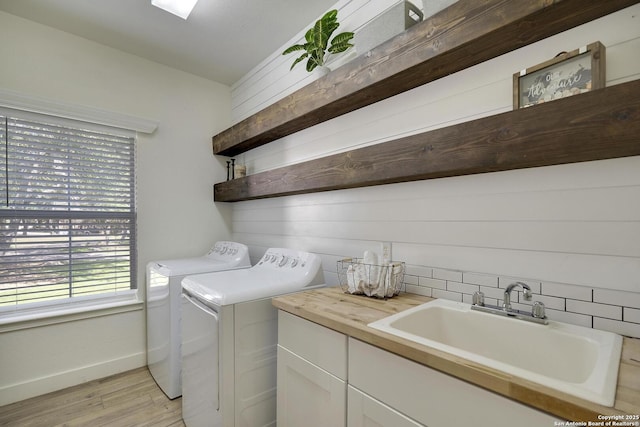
230	337
163	307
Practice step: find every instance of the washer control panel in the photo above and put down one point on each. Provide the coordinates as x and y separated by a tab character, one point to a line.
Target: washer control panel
282	258
226	249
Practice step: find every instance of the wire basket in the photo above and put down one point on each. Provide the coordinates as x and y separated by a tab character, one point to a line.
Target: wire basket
380	281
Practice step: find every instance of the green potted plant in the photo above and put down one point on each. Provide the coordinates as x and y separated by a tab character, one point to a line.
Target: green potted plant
317	46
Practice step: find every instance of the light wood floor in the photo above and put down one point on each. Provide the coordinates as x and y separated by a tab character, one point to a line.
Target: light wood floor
128	399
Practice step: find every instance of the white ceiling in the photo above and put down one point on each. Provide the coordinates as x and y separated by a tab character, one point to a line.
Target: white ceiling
222	40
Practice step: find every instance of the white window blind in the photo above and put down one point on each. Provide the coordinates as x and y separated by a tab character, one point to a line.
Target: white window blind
67	210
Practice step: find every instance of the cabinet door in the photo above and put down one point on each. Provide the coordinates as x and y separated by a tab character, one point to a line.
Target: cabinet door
431	397
364	411
307	395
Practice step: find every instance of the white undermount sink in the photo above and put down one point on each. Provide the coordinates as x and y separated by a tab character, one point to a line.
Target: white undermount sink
579	361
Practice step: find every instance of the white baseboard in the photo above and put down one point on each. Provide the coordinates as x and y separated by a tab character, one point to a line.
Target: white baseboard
60	380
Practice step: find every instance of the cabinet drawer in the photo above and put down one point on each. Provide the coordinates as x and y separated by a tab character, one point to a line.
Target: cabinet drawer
317	344
364	411
431	397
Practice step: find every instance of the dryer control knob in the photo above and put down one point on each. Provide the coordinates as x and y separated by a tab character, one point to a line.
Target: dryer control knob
283	261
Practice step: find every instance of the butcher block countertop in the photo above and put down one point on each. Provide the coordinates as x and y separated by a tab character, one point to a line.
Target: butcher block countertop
350	314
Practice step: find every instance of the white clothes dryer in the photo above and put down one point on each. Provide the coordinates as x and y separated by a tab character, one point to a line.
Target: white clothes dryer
163	307
230	337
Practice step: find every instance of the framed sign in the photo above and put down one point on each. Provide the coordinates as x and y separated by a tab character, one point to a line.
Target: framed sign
569	73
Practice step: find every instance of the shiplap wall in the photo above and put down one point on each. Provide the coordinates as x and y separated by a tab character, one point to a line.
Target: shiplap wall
272	79
575	224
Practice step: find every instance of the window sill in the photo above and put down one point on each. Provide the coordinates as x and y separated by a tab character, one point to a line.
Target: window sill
69	312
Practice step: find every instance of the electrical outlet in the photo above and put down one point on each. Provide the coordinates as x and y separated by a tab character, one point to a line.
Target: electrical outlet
386	251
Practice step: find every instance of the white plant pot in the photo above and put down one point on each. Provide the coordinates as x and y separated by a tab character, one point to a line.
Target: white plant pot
321	71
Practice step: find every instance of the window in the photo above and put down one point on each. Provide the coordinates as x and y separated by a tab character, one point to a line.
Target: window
67	210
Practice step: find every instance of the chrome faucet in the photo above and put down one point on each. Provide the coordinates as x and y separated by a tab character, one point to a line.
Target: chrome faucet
537	314
526	291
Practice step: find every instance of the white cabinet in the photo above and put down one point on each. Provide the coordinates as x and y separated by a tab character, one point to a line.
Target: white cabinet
312	374
365	411
431	397
382	389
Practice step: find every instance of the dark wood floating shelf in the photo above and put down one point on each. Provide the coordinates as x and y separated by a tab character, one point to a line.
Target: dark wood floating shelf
460	36
601	124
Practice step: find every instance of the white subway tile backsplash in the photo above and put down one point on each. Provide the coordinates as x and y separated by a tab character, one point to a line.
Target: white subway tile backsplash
454	296
631	315
462	287
491	292
433	283
601	310
419	290
549	302
418	270
411	280
622	328
480	279
567	291
454	276
626	299
573	318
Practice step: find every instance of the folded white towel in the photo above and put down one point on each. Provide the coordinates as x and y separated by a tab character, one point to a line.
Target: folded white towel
352	286
394	273
378	290
372	268
371	261
356	278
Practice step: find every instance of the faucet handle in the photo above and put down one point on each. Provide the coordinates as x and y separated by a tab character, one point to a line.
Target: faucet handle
478	298
537	310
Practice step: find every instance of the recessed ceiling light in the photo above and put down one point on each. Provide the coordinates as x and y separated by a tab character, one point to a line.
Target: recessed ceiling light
181	8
